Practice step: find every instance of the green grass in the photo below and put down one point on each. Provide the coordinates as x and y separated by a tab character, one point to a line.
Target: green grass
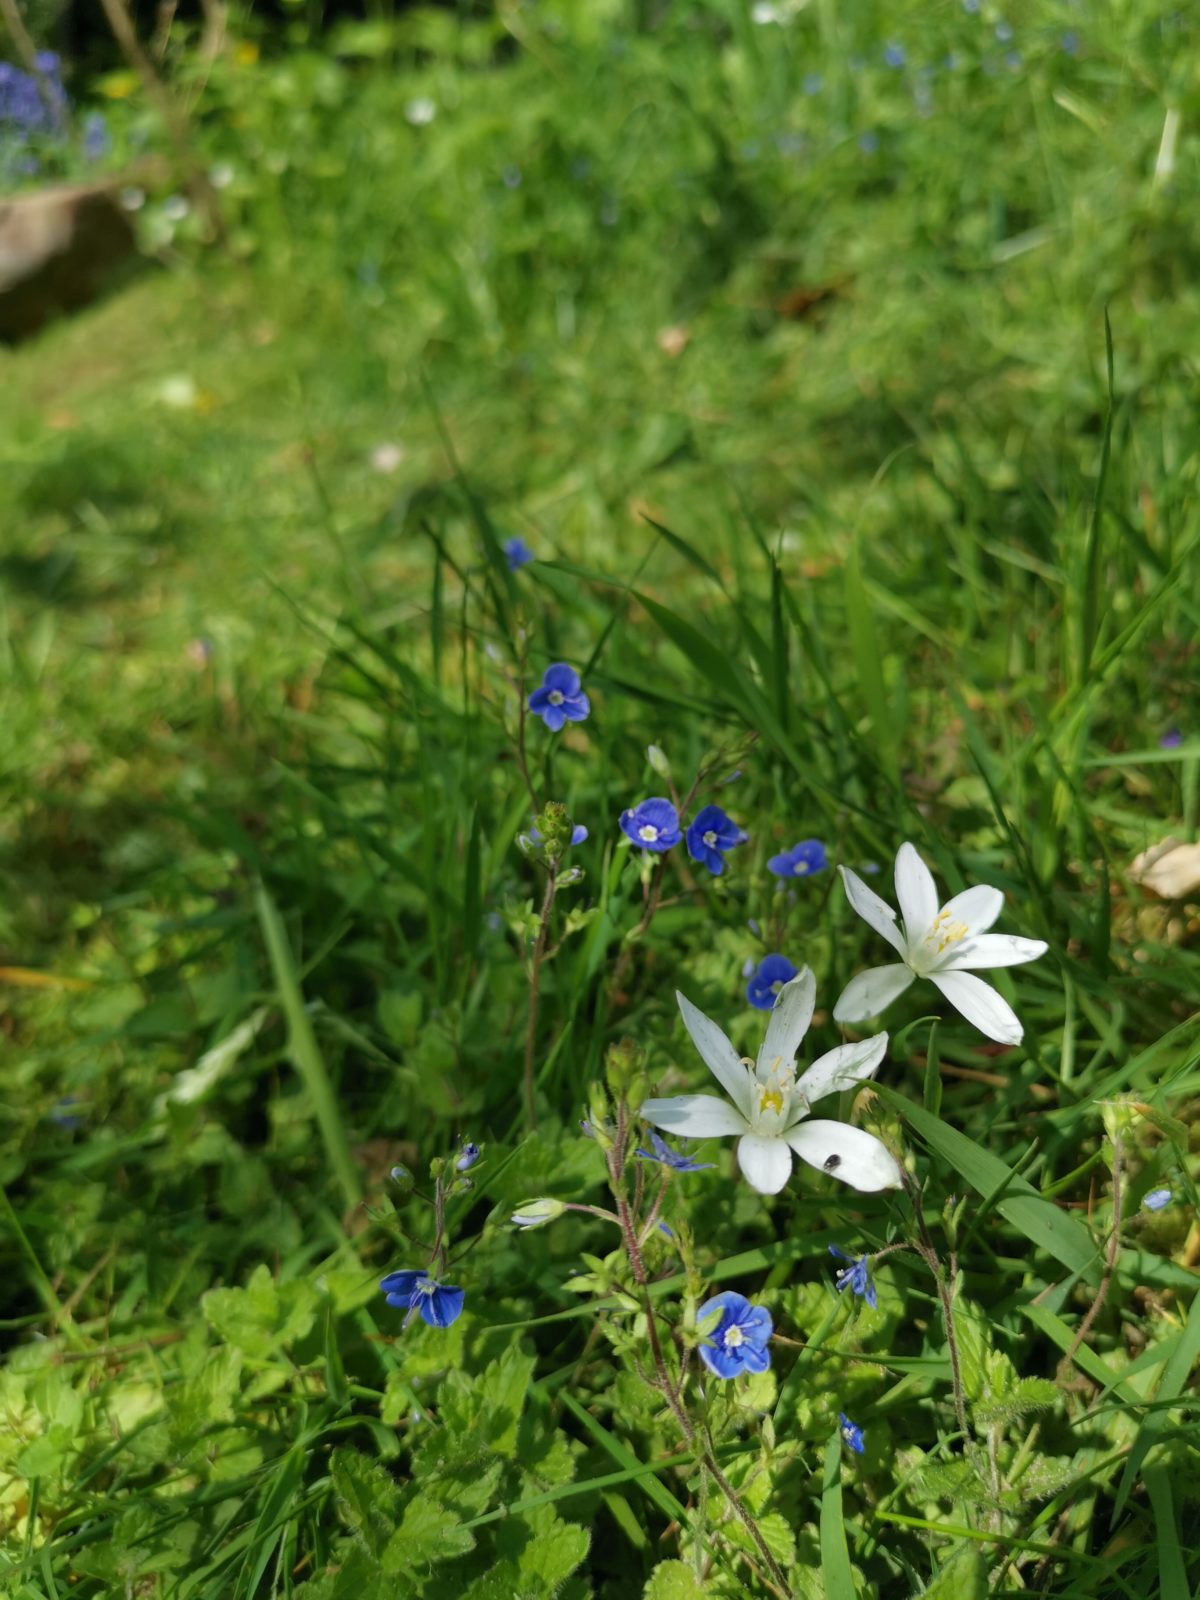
917	559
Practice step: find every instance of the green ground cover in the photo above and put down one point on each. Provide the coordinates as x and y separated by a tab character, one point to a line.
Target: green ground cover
781	343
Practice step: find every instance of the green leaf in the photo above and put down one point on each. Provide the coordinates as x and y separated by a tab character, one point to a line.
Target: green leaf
366	1496
264	1316
964	1577
835	1556
427	1533
673	1580
550	1557
1042	1223
1156	1423
503	1387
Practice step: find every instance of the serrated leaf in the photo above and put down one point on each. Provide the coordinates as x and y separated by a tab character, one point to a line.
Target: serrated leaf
366	1496
503	1387
673	1580
427	1533
264	1316
1026	1394
964	1577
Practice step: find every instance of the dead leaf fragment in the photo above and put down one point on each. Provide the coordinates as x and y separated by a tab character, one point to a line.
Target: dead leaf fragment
1170	869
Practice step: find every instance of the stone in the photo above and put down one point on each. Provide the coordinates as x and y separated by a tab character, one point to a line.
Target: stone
59	250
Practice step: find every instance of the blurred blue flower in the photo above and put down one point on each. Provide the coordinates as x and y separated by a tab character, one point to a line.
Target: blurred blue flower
971	6
1004	32
652	825
1157	1199
856	1277
511	177
560	698
661	1152
1069	43
709	835
517	553
63	1114
852	1434
97	141
868	142
801	861
1171	740
1012	59
30	104
894	54
438	1304
467	1157
738	1342
767	979
813	83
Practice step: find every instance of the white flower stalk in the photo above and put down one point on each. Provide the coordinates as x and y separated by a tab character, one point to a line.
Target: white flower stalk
768	1104
945	944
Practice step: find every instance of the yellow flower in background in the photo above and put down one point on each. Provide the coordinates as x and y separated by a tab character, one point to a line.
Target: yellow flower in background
117	85
245	53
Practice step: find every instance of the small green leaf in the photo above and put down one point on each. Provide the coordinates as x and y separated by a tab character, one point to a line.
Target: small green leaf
673	1580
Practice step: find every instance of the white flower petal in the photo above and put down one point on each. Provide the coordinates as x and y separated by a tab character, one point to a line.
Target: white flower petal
869	992
697	1116
790	1017
874	911
767	1163
856	1157
994	950
981	1005
978	907
916	892
842	1068
721	1059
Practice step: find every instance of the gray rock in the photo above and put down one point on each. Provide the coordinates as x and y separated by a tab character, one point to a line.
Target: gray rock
59	250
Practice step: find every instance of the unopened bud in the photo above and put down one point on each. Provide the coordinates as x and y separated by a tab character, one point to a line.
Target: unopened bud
536	1213
657	757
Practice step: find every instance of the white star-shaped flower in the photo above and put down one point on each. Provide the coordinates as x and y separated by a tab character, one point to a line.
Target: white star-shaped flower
768	1105
945	944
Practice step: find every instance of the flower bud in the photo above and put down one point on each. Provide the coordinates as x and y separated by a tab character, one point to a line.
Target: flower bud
657	757
468	1156
536	1213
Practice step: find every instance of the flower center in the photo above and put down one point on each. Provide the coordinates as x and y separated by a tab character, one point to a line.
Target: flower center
776	986
648	832
556	697
733	1337
710	839
770	1100
427	1287
942	936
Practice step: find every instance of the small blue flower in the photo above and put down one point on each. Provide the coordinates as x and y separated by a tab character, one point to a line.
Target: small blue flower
560	698
813	83
578	834
801	861
855	1277
467	1157
517	553
652	825
1157	1199
1171	740
852	1434
64	1113
97	141
868	142
767	979
438	1304
1069	43
709	835
738	1343
1004	32
661	1151
894	54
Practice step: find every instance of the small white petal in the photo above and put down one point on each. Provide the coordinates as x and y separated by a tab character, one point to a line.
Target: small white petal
978	907
869	992
767	1163
789	1022
698	1116
981	1005
721	1059
856	1157
916	892
874	911
994	950
842	1068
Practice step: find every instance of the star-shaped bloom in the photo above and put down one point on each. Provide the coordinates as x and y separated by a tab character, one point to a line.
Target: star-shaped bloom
801	861
560	698
945	945
768	1105
517	553
852	1434
856	1277
652	825
661	1152
767	979
438	1304
738	1341
709	835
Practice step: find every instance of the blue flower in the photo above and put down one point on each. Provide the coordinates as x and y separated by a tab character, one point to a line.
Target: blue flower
65	1115
709	835
439	1304
675	1159
767	979
812	83
894	55
1171	740
852	1434
801	861
855	1277
1157	1199
467	1157
560	699
652	825
738	1343
1069	43
97	141
517	553
1004	32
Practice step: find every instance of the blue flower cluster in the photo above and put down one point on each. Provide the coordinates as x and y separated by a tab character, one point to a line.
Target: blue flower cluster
29	105
654	825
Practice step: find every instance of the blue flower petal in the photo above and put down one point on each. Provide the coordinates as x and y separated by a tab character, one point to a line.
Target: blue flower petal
443	1306
402	1283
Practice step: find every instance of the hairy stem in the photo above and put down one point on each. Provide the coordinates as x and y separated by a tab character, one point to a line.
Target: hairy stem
1110	1263
535	978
